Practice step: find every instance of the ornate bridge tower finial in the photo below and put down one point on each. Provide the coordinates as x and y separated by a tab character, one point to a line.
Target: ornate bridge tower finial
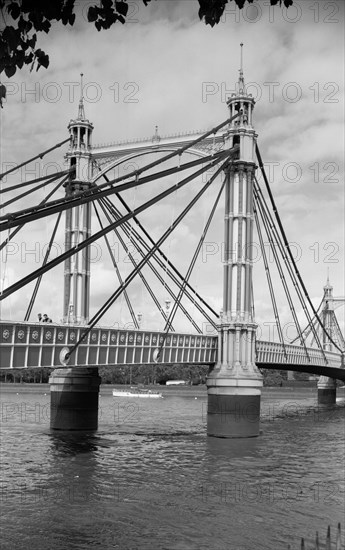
78	219
241	85
156	136
81	112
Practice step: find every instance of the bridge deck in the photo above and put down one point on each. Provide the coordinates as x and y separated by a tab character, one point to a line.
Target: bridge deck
24	345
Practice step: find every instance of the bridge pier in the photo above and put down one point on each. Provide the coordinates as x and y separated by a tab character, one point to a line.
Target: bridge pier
326	391
233	407
74	395
234	385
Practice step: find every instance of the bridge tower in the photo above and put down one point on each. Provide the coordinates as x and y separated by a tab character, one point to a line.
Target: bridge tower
74	391
78	220
327	387
234	385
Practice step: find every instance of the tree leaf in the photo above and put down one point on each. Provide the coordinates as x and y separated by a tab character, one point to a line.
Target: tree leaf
10	70
92	14
44	60
121	8
12	37
14	10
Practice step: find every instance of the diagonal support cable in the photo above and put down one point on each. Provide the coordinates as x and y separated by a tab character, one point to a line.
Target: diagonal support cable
129	305
269	231
10	237
130	231
157	274
40	156
38	281
189	270
269	279
107	209
86	242
26	193
306	331
34	213
131	276
282	249
36	180
286	243
165	258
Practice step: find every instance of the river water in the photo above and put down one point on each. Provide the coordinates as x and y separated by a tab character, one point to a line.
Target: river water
150	478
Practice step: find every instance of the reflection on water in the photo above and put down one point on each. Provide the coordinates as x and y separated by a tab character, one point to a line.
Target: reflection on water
150	478
72	443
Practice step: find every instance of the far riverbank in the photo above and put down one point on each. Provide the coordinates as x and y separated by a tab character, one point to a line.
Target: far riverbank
106	389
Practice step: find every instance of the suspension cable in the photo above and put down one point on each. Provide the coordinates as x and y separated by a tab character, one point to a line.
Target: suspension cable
129	305
268	229
18	197
165	258
286	243
308	328
141	264
108	210
40	156
159	277
269	279
42	202
162	266
96	236
36	180
77	199
339	333
288	266
39	279
190	269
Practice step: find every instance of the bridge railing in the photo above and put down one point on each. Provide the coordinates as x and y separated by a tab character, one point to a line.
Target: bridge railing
28	344
276	353
24	345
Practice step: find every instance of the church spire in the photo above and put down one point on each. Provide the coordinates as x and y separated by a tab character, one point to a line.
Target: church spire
81	112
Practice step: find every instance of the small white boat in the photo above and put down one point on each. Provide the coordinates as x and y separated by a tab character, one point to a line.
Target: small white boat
137	392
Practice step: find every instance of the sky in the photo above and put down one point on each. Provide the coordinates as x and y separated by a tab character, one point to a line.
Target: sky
165	67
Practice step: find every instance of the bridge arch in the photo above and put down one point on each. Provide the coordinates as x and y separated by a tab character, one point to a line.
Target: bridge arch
117	162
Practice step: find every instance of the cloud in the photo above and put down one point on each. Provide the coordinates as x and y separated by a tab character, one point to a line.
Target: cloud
169	69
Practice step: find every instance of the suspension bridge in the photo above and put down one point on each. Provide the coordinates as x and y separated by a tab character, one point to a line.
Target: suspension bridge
94	189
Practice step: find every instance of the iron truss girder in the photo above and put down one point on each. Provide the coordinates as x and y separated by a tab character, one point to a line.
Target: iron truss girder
106	153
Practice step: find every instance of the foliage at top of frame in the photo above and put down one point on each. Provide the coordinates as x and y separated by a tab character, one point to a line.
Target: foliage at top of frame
23	19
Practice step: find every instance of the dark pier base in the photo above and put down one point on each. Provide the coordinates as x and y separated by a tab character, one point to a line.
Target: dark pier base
233	416
74	398
326	391
326	396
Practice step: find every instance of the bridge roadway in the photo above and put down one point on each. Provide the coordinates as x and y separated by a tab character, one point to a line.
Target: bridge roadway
26	344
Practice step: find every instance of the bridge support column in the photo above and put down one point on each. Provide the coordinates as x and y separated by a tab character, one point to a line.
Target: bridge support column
234	386
326	391
74	398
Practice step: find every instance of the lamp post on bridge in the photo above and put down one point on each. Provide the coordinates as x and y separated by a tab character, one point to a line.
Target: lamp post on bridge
139	318
234	385
167	306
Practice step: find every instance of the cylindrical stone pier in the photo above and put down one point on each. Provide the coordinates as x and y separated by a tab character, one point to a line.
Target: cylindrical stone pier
326	391
74	395
233	406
